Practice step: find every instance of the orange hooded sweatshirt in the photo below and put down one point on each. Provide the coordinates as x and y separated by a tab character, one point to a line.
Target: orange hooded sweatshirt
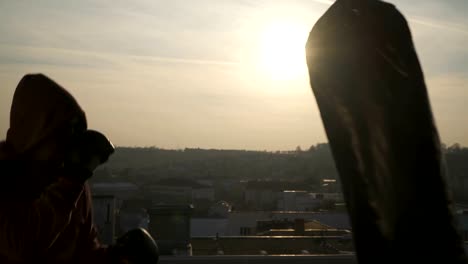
45	216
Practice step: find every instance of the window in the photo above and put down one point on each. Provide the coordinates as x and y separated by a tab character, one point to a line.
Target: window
245	231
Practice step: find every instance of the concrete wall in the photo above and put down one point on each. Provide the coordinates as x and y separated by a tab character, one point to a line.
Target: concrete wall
270	245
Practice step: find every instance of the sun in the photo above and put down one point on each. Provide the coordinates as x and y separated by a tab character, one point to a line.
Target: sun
282	50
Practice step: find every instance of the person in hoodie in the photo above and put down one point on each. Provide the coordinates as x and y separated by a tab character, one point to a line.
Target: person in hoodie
45	200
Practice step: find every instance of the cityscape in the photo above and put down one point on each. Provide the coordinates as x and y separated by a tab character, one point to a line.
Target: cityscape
190	201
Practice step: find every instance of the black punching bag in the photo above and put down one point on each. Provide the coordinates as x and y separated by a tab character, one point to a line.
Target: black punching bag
369	87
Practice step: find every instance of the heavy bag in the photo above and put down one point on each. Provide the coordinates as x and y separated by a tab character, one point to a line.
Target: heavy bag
370	89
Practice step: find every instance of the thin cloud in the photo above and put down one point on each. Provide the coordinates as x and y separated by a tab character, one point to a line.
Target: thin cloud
185	61
439	25
328	2
421	21
108	57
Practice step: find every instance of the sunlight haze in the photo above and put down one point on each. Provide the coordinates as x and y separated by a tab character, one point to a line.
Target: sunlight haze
225	74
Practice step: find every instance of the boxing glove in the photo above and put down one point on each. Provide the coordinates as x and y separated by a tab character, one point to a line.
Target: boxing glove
137	247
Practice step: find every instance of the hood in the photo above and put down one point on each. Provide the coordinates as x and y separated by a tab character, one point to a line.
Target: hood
41	110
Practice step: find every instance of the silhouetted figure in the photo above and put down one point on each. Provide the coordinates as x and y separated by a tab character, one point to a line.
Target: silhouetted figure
370	90
45	201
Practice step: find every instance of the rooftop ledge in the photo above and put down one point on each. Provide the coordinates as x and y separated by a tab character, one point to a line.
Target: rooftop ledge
256	259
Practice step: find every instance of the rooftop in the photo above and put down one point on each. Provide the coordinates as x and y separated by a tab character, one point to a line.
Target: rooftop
286	259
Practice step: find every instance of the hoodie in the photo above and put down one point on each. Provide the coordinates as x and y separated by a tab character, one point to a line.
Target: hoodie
45	217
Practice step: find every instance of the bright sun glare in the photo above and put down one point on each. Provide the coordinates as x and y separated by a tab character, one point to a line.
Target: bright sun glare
283	50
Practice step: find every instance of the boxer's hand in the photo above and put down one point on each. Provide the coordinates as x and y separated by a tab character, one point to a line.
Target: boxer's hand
137	247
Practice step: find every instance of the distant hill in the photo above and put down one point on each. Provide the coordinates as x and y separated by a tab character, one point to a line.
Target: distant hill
313	164
310	166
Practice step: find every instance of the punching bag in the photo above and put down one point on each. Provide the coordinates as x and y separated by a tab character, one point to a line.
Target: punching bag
370	90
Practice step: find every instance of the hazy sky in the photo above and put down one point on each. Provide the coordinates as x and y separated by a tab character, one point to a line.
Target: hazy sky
183	73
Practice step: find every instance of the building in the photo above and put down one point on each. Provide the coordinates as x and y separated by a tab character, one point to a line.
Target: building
265	194
245	223
208	227
205	182
299	227
268	237
203	193
169	194
131	218
120	190
335	196
461	213
179	191
261	198
291	200
170	225
105	219
249	246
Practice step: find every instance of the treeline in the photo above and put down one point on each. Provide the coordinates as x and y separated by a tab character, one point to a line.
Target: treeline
153	163
456	158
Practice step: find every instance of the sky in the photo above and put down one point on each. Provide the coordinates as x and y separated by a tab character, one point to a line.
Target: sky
224	74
